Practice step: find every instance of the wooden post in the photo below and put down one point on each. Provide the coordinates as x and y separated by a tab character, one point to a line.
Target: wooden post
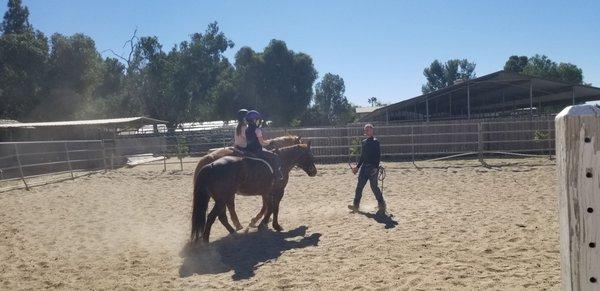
468	100
578	167
450	102
480	143
412	141
165	161
104	156
69	161
20	167
427	107
530	100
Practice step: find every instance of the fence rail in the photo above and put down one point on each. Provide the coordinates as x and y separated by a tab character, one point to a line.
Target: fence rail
24	160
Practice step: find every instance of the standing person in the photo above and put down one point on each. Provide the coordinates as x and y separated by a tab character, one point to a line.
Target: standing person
239	139
255	143
368	163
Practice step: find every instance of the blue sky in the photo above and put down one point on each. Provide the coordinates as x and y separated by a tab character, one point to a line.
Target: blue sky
379	47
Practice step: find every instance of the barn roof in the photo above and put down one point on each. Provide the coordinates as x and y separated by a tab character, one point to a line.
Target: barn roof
494	92
137	121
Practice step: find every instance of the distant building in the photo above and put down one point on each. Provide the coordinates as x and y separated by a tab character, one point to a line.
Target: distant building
497	95
74	129
363	111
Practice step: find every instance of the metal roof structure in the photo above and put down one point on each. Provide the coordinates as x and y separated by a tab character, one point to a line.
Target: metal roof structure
93	122
365	110
494	95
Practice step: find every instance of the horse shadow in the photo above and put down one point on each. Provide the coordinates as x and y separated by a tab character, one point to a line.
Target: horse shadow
242	253
381	217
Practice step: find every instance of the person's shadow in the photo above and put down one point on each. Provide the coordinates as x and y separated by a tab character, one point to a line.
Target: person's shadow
381	217
242	253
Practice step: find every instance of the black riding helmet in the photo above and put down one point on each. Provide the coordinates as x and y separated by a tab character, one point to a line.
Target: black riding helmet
241	114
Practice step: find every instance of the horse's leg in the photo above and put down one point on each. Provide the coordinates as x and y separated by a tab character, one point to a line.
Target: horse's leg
225	222
260	214
234	217
276	199
269	202
217	208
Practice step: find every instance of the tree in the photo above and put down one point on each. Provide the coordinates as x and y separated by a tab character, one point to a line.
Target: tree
543	67
277	81
443	75
23	66
16	19
74	70
516	64
374	102
180	85
330	101
570	73
23	63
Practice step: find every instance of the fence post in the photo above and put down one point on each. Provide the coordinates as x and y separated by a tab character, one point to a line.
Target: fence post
412	142
104	156
578	167
69	161
480	143
20	167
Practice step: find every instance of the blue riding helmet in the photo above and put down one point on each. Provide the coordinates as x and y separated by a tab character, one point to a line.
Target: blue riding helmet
241	114
253	115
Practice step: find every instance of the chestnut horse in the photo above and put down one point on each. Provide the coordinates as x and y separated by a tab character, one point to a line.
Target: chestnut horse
274	143
247	176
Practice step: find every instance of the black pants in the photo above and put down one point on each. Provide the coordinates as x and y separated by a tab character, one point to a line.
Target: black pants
368	173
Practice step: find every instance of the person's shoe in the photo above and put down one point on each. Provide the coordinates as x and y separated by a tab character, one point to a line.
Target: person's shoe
353	207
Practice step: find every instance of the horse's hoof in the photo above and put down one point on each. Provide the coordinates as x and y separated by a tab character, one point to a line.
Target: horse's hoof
278	227
262	227
253	223
238	228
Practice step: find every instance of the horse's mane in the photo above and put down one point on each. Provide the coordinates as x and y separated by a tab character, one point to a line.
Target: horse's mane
293	147
285	137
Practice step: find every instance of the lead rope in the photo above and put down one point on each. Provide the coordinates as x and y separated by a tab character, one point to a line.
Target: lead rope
381	176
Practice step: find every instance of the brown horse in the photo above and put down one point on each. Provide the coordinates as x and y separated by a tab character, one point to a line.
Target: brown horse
275	143
246	176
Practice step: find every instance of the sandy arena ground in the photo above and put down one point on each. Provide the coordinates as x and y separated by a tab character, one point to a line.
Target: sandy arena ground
450	225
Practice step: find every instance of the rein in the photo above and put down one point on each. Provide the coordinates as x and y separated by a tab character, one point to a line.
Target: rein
261	160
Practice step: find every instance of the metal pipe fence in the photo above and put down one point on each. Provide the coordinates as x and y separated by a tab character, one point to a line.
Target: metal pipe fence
429	141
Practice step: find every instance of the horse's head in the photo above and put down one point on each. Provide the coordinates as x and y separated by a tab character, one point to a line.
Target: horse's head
306	161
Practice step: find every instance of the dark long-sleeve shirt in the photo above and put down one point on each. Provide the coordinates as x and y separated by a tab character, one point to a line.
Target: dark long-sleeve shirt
370	153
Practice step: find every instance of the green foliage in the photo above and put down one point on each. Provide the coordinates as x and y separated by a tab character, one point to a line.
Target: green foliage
541	135
330	101
23	63
374	102
516	64
16	19
278	82
192	81
543	67
296	122
443	75
182	149
355	147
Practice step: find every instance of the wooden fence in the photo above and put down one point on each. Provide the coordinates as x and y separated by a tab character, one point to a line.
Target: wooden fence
578	164
435	140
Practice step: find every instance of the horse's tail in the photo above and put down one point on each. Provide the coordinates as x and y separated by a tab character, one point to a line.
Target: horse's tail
200	205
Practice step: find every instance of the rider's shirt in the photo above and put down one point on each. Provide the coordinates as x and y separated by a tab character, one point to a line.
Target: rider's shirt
239	140
252	135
